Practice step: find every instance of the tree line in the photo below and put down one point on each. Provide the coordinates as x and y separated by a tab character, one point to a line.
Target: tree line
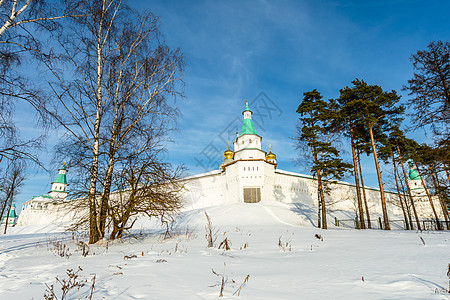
369	119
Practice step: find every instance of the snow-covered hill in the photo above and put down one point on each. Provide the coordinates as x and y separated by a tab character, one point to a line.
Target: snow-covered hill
273	244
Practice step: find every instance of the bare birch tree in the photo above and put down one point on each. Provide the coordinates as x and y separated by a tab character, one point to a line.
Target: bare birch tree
124	77
10	186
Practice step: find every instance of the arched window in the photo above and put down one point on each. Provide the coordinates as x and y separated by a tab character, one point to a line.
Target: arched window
250	141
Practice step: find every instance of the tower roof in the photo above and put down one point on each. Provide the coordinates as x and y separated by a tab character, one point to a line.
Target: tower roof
413	175
61	178
247	126
12	212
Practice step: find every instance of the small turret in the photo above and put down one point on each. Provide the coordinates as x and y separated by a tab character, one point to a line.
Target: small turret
228	154
59	186
12	216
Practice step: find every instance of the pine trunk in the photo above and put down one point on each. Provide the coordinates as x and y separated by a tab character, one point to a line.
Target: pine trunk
409	190
319	204
387	226
404	192
446	172
364	192
322	200
429	198
441	202
362	224
398	192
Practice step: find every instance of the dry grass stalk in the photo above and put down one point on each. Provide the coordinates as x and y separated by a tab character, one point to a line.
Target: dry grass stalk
238	291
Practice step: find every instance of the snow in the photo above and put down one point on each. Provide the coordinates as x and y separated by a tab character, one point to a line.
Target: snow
347	264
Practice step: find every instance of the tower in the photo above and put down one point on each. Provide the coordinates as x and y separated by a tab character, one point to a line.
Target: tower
415	182
248	139
59	186
12	216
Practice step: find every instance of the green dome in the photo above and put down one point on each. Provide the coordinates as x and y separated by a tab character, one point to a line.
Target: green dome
413	175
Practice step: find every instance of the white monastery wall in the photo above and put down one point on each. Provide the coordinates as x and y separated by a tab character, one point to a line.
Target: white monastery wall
250	171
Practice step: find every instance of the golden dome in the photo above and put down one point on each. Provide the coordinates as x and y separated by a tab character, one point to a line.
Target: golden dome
228	154
271	156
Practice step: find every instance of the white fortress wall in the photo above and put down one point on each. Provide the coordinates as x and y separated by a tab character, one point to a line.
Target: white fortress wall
203	190
40	213
297	188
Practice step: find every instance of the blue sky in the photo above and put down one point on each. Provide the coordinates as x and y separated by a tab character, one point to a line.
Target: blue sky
236	50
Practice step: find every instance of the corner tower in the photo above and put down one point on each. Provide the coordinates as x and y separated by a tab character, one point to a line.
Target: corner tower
59	186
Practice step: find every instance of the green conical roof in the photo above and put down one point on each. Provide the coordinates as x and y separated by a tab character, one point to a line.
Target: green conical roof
248	127
61	179
12	212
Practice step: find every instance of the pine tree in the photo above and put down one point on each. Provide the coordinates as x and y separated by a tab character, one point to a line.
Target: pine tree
315	123
376	110
430	88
